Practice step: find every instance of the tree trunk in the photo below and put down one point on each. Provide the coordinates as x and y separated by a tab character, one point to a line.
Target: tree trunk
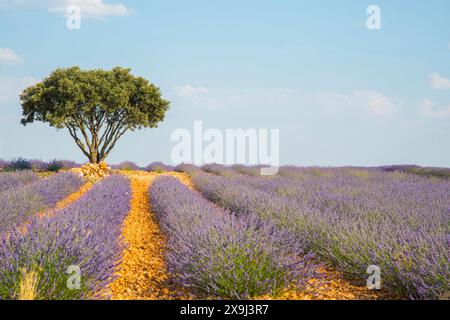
94	157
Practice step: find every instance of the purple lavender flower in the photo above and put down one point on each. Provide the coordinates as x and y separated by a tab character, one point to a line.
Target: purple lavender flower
16	179
85	234
18	205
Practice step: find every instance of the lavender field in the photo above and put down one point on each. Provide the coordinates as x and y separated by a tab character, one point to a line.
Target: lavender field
223	232
350	217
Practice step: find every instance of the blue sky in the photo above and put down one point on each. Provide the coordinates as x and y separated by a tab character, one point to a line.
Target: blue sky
340	94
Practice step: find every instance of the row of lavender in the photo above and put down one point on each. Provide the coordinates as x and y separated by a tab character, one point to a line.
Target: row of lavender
21	164
81	240
15	180
219	254
352	217
154	166
19	204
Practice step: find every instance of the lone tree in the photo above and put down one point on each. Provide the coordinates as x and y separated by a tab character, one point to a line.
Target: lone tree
96	106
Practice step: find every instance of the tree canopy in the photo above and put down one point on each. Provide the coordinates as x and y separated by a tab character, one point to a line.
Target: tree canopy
97	106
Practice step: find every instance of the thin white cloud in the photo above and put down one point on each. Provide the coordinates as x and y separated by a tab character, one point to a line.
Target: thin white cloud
97	9
371	102
189	90
8	55
367	102
428	109
12	87
439	82
376	102
93	8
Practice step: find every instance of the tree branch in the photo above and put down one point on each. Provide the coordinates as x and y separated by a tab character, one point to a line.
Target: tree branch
80	144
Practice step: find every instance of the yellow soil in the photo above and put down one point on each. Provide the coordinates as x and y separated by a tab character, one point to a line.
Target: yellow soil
142	273
333	286
45	174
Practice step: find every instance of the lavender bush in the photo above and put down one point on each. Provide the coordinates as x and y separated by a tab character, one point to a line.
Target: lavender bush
354	218
3	164
219	169
126	165
217	253
158	167
85	234
15	180
38	165
248	170
69	164
187	168
421	171
18	205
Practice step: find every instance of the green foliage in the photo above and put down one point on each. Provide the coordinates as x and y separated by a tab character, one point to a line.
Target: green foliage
96	106
54	166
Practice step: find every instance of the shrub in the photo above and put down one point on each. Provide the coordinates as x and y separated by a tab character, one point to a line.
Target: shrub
126	165
187	168
69	164
219	169
3	164
19	164
54	166
38	165
420	171
158	167
248	170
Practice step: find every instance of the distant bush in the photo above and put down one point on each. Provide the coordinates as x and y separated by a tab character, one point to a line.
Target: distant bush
19	164
126	165
158	167
248	170
69	164
3	164
54	166
420	171
38	165
219	169
187	168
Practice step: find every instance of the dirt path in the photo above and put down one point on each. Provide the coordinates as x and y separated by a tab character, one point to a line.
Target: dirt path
142	272
333	286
